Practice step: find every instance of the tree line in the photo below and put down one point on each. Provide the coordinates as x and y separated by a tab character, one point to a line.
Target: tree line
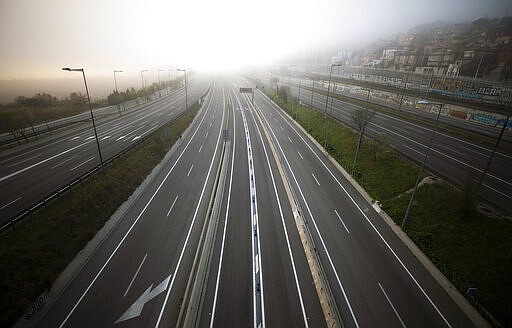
20	117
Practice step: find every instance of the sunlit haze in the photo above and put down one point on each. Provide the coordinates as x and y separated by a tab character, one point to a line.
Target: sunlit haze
40	37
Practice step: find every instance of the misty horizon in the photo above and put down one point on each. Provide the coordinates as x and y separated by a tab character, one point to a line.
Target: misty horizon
40	38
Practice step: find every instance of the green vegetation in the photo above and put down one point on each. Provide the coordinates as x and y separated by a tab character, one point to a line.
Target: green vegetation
33	255
19	117
476	138
471	249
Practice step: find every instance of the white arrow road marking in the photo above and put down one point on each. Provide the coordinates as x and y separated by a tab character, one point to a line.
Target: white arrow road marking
137	137
136	308
121	137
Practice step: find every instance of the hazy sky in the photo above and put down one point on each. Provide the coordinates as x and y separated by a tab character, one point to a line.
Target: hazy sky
38	37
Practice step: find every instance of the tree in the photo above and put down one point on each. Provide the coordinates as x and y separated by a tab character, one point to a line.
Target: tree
283	93
361	117
115	98
77	99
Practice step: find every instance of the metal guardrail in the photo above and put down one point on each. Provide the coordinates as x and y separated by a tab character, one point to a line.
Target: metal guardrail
9	138
56	194
66	188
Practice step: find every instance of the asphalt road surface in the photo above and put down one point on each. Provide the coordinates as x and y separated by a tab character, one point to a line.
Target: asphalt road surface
375	278
450	158
30	172
259	275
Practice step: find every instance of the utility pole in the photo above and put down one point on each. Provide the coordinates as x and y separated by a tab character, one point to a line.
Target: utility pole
422	166
363	125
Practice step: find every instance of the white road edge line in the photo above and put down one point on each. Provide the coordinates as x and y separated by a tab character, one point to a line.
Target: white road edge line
221	256
292	260
83	163
135	275
369	222
43	161
331	263
65	161
257	281
10	203
392	306
178	264
131	227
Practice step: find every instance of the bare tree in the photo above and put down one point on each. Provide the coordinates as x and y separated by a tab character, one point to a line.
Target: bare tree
361	117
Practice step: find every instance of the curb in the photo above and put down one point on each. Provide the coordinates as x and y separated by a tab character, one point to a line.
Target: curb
441	279
82	258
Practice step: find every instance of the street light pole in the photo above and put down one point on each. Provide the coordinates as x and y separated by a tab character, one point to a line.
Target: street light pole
186	93
159	84
115	80
422	165
90	107
329	87
169	84
363	125
142	80
327	102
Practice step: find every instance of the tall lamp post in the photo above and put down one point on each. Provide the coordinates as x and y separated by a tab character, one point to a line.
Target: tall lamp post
142	81
329	87
90	107
115	80
327	102
169	85
423	163
363	125
186	94
159	85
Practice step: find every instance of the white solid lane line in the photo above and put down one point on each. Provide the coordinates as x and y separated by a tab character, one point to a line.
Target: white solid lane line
392	306
25	160
135	276
292	260
63	162
10	203
402	264
221	256
178	264
324	246
87	161
41	162
172	206
131	227
257	274
341	220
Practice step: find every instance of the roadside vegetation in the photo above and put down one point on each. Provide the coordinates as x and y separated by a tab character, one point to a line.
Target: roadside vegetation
471	249
473	137
20	116
39	249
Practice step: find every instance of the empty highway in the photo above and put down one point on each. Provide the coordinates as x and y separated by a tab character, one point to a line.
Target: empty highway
259	275
31	172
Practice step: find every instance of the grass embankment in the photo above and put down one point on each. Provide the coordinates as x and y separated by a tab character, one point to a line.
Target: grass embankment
33	255
471	249
470	136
